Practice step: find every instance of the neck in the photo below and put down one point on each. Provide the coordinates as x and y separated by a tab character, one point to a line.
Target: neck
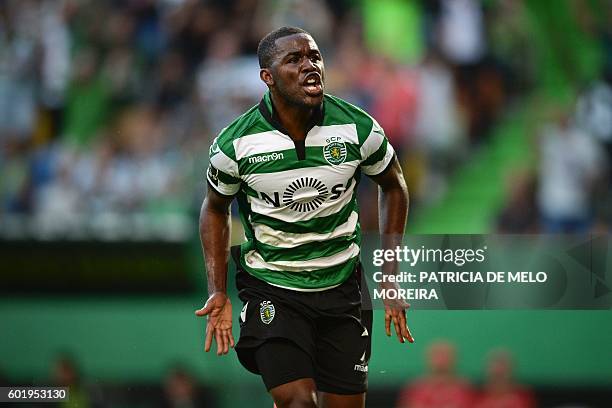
296	119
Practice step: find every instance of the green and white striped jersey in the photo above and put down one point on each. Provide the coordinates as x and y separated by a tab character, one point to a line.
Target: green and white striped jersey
298	202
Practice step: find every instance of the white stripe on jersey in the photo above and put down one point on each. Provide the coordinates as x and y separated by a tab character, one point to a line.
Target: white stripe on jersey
254	260
319	135
282	239
221	187
371	144
264	142
303	289
224	163
382	164
274	141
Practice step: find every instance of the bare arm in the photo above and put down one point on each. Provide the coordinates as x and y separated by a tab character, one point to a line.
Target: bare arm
215	238
393	211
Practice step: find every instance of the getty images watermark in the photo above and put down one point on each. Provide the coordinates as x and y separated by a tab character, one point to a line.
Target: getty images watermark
463	272
403	255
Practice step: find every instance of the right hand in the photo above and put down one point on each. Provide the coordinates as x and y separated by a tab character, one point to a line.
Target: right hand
218	308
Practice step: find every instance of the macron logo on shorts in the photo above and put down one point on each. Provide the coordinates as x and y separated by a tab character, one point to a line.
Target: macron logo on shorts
363	367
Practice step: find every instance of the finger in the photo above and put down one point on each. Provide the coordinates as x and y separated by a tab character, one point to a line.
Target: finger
219	340
388	324
409	333
231	337
224	343
398	331
405	329
228	340
210	331
206	309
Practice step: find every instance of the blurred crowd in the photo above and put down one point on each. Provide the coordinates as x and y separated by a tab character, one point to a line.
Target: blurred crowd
179	388
569	190
440	387
108	107
443	387
498	379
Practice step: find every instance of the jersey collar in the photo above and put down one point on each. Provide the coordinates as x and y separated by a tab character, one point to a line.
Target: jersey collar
266	108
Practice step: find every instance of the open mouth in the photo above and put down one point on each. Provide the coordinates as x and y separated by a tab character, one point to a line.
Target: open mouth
313	86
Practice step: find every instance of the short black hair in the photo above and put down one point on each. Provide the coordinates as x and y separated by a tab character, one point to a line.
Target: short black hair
267	45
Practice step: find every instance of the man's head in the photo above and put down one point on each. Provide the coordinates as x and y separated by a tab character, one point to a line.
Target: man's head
441	356
292	66
499	366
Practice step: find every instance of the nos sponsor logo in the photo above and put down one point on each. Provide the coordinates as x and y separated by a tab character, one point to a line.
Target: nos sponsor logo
305	194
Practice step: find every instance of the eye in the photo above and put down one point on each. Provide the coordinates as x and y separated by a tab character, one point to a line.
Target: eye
293	59
315	58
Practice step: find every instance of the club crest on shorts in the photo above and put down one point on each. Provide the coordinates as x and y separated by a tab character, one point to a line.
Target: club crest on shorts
267	311
335	151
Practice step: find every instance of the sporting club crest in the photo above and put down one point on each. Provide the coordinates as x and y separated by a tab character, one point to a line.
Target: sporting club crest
267	311
335	151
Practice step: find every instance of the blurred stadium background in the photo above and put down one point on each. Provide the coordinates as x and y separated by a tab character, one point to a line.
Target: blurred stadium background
500	110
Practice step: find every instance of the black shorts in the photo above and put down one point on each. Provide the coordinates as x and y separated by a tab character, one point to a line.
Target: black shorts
286	335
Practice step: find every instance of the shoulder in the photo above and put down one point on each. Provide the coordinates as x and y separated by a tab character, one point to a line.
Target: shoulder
246	124
340	112
338	108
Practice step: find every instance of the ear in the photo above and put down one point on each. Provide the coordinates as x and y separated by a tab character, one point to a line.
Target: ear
266	75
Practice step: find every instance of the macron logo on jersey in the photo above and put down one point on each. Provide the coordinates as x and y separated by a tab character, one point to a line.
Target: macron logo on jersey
262	158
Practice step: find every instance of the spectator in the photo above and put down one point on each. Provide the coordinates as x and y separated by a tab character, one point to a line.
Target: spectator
66	374
570	164
500	389
18	49
441	387
438	130
520	213
180	390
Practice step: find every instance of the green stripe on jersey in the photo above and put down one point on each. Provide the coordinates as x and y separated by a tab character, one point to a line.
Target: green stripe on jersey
320	279
339	112
227	179
378	155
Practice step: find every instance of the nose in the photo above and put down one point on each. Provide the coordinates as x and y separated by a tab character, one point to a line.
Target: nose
308	65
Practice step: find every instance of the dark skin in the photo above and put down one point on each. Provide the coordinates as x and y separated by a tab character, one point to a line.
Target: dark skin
296	82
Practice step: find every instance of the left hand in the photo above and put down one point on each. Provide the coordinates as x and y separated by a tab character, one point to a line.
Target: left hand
395	311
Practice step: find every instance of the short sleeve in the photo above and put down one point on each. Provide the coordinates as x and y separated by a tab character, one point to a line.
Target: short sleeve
222	174
376	151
